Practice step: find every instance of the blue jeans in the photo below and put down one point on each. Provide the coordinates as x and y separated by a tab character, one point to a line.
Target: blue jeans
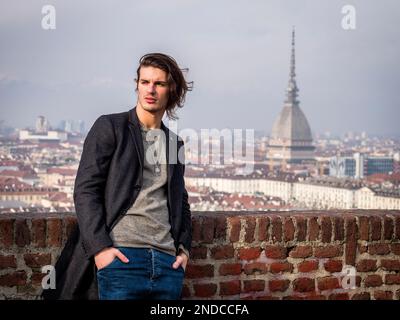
148	275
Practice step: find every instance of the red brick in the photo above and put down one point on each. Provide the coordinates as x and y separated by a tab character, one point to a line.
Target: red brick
36	260
6	232
276	252
255	267
278	285
333	266
276	229
288	229
314	296
328	283
229	288
39	233
220	228
54	232
397	228
301	226
253	285
185	291
249	229
263	224
199	252
376	226
326	229
339	296
364	228
301	252
277	267
205	290
7	261
17	278
36	278
388	228
293	297
358	281
230	269
196	232
235	224
395	247
70	224
22	233
373	280
379	248
392	279
391	265
351	241
249	253
383	295
303	285
208	226
366	265
266	297
308	266
338	228
361	296
199	271
314	229
223	252
329	251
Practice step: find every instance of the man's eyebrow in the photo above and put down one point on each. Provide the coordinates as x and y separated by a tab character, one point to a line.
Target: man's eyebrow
157	81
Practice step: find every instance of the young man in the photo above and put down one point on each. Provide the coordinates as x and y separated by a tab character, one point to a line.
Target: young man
134	222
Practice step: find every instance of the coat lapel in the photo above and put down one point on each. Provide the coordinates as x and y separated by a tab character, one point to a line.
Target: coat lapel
170	161
137	135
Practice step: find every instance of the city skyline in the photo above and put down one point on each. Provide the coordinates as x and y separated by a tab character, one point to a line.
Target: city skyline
347	78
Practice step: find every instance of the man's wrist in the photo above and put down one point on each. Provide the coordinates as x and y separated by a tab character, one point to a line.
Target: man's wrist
182	249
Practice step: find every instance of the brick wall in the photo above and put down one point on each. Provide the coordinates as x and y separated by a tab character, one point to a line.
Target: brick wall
280	255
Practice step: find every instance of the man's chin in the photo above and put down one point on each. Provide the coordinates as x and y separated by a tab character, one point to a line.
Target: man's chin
152	108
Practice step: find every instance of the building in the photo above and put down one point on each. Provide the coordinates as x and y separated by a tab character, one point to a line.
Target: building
73	126
291	139
359	165
325	193
42	125
49	136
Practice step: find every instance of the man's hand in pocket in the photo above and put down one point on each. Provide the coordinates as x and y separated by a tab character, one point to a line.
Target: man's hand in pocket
107	255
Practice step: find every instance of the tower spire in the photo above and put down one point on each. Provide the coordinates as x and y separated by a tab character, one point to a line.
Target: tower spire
292	86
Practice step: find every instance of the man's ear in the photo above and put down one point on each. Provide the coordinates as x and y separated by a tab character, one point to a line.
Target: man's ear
136	84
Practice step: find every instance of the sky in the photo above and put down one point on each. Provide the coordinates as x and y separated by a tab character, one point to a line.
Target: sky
237	52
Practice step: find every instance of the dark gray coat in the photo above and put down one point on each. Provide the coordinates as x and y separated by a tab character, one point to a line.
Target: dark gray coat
108	181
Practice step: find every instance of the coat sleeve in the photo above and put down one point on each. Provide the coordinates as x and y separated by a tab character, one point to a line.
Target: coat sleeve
90	182
185	238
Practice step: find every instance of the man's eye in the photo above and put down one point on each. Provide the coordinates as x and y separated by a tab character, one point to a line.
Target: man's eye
161	84
144	82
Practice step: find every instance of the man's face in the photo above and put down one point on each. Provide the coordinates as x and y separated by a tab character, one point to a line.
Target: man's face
152	89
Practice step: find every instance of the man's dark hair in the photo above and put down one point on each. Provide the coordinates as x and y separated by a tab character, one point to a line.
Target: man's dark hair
176	81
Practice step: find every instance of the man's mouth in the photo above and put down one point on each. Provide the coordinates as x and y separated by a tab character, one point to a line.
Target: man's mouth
150	100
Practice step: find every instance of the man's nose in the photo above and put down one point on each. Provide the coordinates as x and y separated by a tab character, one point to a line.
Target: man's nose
151	88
